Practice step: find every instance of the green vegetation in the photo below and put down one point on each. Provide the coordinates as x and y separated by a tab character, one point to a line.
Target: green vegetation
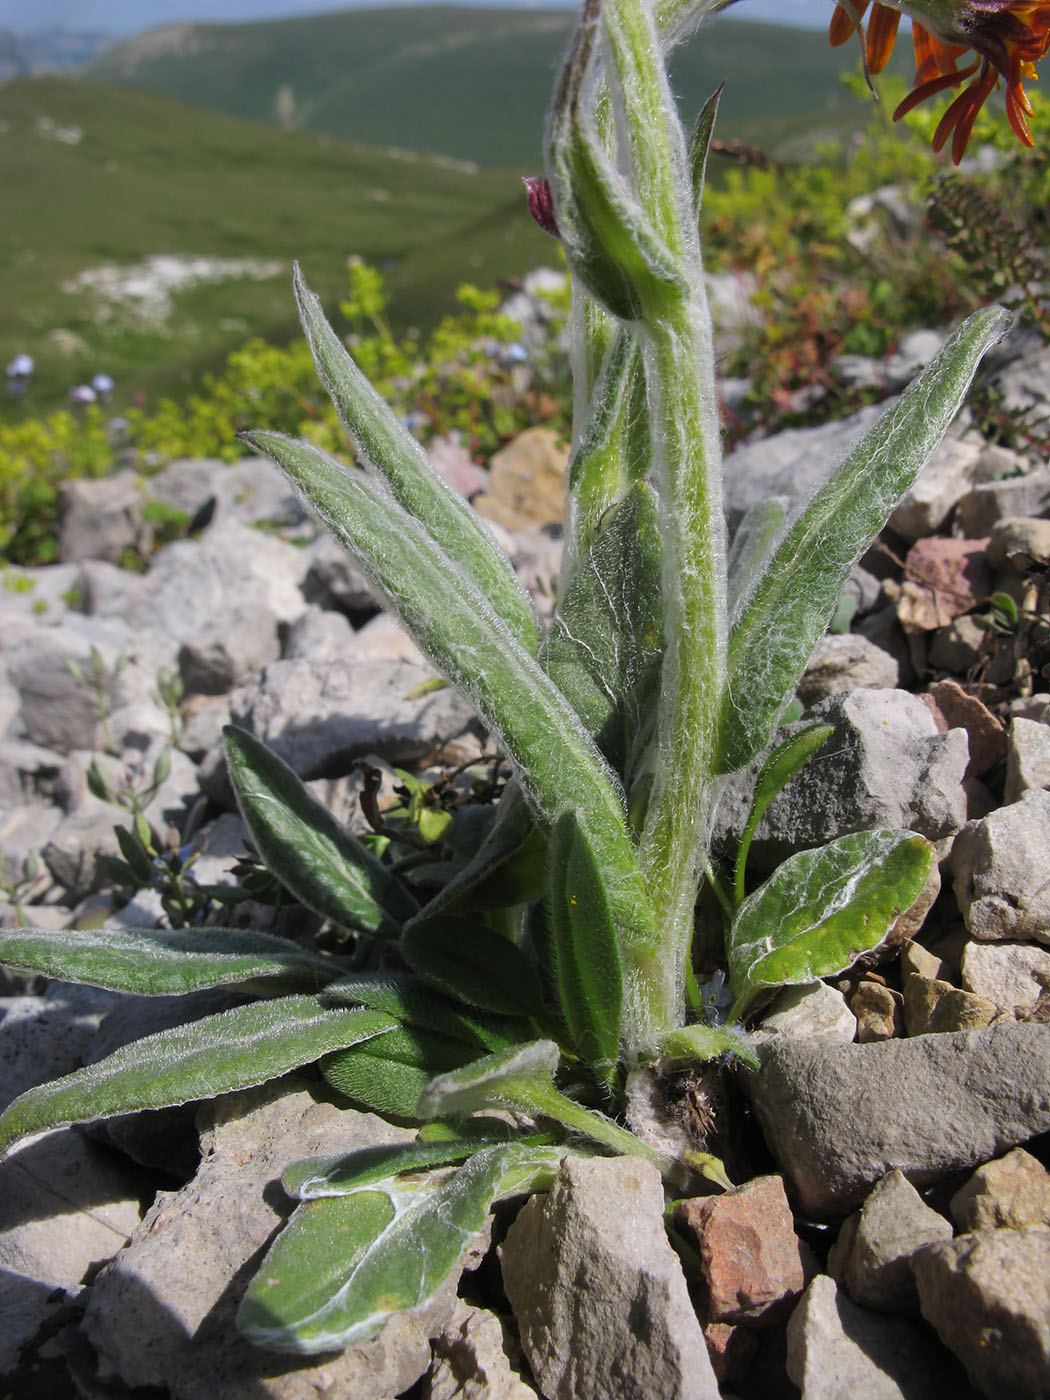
468	82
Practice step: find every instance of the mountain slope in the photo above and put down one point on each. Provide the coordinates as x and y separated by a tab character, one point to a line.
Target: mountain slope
470	82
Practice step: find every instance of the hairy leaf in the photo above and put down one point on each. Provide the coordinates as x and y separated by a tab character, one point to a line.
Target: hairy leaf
312	854
820	910
476	964
417	1003
342	1174
165	962
233	1050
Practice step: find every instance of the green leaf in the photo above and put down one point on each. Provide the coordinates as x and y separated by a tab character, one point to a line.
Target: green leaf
233	1050
701	144
821	909
385	443
311	853
343	1265
342	1174
750	548
605	643
474	963
700	1042
492	1081
532	721
783	617
415	1001
389	1074
134	853
587	969
775	774
164	962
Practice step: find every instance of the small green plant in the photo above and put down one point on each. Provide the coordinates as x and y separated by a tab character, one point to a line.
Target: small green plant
552	960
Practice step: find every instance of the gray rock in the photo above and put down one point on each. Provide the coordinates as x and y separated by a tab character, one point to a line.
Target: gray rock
58	710
839	1117
43	1037
955	468
889	767
1019	534
1027	758
162	1314
999	866
815	1011
837	1351
250	492
382	638
66	1205
875	1267
34	597
476	1357
1009	1193
848	661
230	650
598	1294
1013	976
321	635
26	1305
320	718
334	583
980	510
103	519
27	770
988	1296
203	725
106	590
790	463
25	829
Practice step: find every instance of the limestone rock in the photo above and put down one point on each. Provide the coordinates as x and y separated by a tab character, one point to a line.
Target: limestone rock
875	1266
839	1117
813	1011
229	650
526	483
955	467
598	1293
847	662
988	1296
476	1357
877	1010
1015	977
1027	758
1000	866
837	1351
102	519
1009	1193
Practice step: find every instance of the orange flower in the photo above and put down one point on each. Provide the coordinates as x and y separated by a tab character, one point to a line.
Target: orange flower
993	38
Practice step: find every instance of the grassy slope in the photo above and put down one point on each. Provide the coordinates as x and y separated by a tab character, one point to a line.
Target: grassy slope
472	83
151	175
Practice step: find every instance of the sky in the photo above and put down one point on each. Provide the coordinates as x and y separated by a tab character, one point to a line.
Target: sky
131	16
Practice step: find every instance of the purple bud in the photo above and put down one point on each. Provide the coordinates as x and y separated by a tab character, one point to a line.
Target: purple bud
541	204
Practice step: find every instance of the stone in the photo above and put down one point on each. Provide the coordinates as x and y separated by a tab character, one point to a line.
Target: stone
846	662
878	1012
106	590
988	1296
598	1294
837	1118
382	638
888	766
1015	977
1024	535
837	1351
980	510
476	1357
936	1006
25	829
102	519
454	464
58	710
999	866
526	483
814	1011
250	492
875	1265
334	582
320	718
162	1313
536	555
320	635
1007	1194
943	578
26	1305
964	645
66	1206
751	1259
43	1037
229	650
1027	758
955	467
955	708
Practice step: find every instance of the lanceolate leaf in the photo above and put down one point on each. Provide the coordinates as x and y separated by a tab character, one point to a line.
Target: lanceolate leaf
385	444
389	1073
348	1172
165	962
343	1265
821	909
449	618
606	639
586	963
782	618
233	1050
416	1003
311	853
476	964
750	547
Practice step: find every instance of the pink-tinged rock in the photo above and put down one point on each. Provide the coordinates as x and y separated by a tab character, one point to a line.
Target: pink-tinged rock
751	1258
945	578
953	708
731	1348
455	465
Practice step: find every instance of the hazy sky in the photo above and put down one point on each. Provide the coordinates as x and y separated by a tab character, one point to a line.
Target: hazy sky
130	16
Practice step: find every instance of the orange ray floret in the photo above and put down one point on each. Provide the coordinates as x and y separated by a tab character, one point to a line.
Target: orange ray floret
996	39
